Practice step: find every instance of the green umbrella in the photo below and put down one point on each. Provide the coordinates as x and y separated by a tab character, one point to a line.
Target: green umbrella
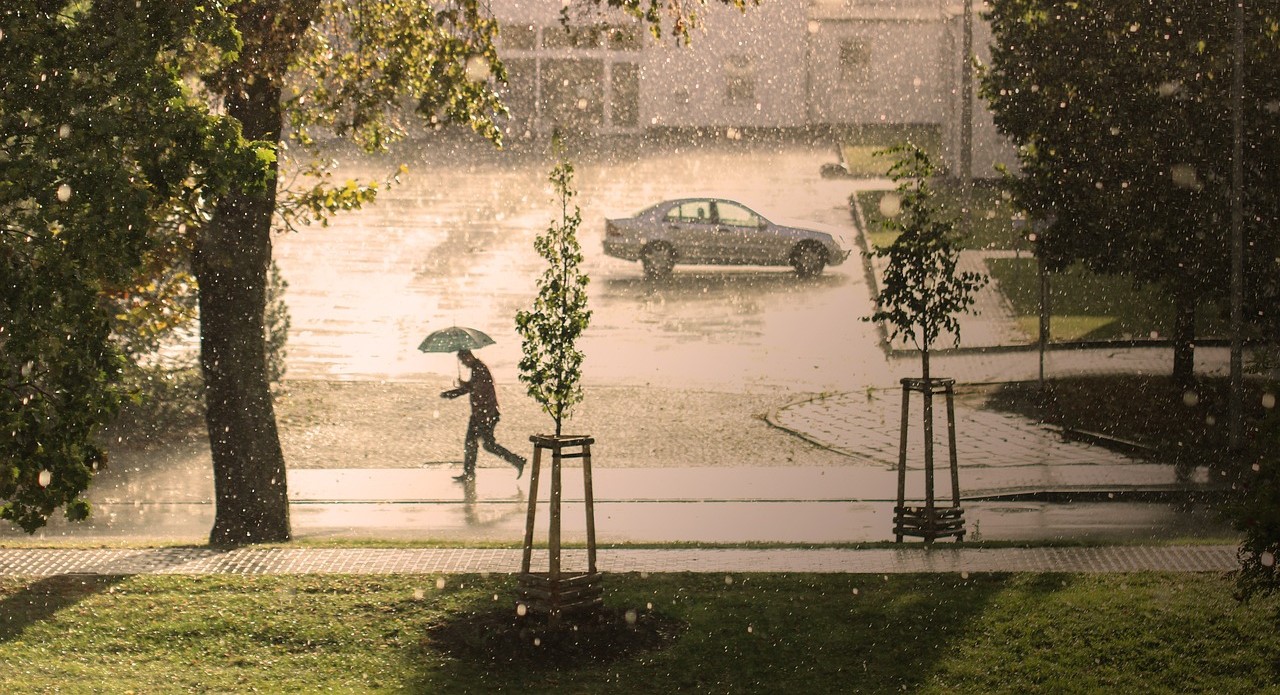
453	339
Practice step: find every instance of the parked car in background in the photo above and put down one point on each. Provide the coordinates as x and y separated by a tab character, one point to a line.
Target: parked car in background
716	231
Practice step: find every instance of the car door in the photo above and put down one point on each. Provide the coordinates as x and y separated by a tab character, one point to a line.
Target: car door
739	236
689	229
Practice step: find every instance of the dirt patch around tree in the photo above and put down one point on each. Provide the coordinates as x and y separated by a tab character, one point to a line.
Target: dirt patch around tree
500	636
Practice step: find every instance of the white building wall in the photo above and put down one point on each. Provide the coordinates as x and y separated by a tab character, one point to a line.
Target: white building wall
905	49
702	84
990	148
781	64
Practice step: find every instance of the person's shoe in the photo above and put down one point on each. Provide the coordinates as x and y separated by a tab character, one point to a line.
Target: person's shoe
520	468
465	477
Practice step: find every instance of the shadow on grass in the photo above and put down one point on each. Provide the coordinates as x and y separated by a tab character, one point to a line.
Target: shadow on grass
699	633
1186	427
498	636
42	599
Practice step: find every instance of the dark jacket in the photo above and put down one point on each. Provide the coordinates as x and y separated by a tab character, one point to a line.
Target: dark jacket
484	400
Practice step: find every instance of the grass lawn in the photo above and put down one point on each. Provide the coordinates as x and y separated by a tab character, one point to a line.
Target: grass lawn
1087	306
859	145
1084	305
989	227
745	633
1183	426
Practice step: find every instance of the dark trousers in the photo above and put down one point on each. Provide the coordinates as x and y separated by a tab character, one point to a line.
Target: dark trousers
480	431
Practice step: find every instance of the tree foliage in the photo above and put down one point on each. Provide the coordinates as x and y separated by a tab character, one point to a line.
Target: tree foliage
1122	115
1256	513
100	144
142	161
551	367
922	290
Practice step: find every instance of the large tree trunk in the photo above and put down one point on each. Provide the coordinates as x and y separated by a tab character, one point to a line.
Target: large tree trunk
1184	336
231	260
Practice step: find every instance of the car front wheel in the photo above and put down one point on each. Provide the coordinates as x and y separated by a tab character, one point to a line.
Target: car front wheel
808	260
658	260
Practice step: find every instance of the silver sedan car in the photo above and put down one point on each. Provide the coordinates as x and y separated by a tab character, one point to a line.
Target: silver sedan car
715	231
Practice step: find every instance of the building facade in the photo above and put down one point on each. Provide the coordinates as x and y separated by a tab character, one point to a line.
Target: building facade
782	64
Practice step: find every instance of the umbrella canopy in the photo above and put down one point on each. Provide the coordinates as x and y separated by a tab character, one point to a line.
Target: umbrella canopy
453	339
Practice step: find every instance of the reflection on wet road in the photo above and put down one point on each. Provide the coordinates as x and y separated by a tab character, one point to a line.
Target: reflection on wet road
453	245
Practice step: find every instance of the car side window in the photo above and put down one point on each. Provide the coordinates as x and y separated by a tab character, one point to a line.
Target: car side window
737	216
696	211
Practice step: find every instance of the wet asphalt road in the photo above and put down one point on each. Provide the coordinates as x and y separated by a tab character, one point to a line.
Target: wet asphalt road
453	245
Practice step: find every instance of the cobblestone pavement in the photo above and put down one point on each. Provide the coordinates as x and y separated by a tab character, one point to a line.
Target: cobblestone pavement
940	559
867	426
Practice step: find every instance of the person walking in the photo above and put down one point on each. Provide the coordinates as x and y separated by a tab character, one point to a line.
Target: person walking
484	418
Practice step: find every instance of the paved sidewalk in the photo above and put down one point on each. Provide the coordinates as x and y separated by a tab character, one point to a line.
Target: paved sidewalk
940	559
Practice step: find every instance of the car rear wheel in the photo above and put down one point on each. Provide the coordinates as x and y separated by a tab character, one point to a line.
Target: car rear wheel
658	260
808	259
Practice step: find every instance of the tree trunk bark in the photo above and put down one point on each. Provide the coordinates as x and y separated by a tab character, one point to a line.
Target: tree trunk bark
231	260
1184	336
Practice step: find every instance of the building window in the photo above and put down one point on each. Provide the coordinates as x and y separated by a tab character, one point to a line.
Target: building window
519	37
573	37
739	81
625	104
855	62
625	37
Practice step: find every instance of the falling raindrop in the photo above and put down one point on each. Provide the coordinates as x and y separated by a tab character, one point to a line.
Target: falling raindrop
890	205
750	629
728	579
1268	400
439	583
1190	398
630	616
1267	558
855	591
1184	176
64	193
477	68
648	606
1210	420
522	610
537	641
419	594
46	477
964	575
64	131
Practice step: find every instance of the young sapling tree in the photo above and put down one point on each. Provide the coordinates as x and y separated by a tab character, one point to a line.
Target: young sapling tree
551	367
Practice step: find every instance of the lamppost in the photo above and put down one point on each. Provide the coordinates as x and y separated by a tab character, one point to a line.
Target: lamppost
966	96
1236	400
1034	233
